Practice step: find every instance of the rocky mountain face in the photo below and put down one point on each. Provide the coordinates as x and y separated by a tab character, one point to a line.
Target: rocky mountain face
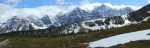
79	15
105	11
135	17
30	23
75	16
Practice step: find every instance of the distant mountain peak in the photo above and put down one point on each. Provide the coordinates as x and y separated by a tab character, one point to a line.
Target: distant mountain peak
128	8
32	17
103	5
102	8
15	17
77	9
46	20
46	16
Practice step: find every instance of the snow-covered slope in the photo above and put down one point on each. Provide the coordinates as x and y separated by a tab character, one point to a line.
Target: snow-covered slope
121	39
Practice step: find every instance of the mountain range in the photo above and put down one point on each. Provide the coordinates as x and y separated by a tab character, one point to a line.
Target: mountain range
100	16
134	17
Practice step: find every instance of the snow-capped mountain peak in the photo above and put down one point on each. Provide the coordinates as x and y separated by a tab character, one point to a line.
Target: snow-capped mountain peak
15	18
76	9
103	7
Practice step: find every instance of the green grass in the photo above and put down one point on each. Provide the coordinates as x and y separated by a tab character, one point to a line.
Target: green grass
72	41
37	43
3	38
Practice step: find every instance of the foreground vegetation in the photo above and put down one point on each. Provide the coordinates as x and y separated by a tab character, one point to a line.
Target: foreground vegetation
134	44
79	40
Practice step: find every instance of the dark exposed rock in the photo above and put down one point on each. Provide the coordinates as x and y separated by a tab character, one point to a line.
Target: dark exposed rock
115	20
140	14
148	34
46	20
90	24
107	21
118	20
135	16
99	22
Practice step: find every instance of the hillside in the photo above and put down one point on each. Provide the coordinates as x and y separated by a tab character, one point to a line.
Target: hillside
73	41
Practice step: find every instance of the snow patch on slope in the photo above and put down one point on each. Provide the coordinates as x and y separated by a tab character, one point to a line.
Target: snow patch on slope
123	38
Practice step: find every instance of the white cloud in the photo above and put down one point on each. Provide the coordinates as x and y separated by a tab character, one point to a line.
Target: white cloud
134	7
7	11
62	2
89	7
39	11
122	6
51	11
148	1
4	8
84	2
85	5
